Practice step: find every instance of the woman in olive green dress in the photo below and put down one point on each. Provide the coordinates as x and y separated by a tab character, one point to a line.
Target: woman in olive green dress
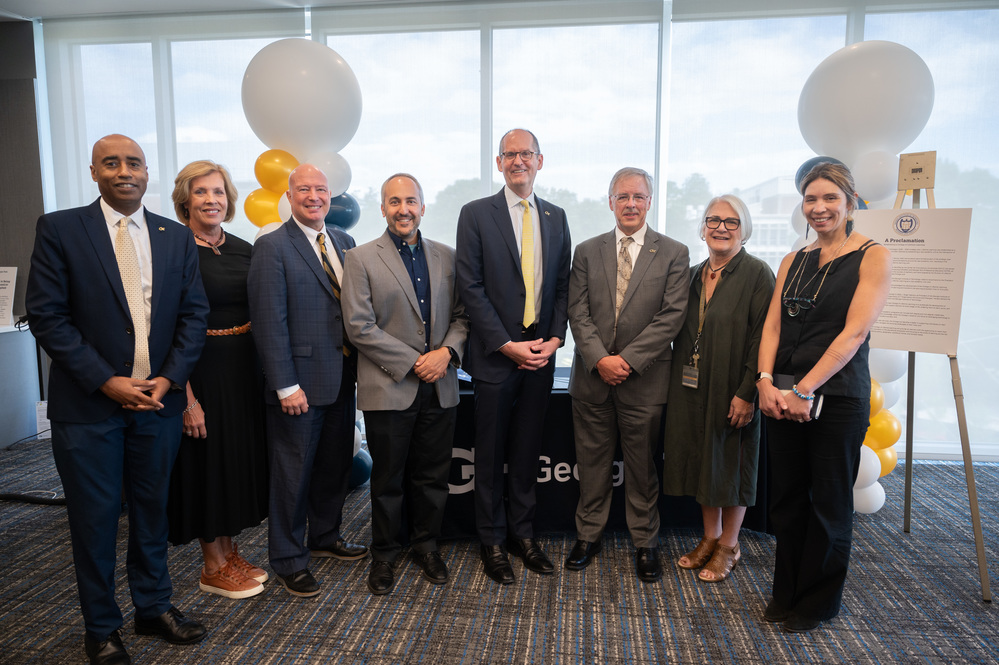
712	426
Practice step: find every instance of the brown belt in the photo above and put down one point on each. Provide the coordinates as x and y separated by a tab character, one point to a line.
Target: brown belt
235	330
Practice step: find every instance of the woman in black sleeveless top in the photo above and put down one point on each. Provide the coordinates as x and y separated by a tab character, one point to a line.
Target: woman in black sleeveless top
815	338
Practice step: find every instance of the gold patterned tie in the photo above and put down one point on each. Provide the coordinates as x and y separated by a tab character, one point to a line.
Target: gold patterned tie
335	285
131	279
623	273
527	263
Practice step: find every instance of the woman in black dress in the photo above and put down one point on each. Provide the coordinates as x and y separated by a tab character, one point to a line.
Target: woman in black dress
219	482
815	339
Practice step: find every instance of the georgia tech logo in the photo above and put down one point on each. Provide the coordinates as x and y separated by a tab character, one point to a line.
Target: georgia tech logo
906	224
560	472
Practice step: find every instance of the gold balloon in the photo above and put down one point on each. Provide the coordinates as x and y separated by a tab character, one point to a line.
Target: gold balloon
877	397
273	168
884	431
889	458
261	207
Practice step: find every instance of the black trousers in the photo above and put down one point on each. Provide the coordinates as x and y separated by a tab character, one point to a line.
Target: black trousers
410	462
813	468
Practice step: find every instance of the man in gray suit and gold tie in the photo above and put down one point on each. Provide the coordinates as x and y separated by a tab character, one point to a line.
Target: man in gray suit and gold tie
402	312
627	301
294	290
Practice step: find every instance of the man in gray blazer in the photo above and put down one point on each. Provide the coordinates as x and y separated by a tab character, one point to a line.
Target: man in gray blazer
402	312
294	290
627	301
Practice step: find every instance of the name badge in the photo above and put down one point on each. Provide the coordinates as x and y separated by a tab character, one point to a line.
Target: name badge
689	378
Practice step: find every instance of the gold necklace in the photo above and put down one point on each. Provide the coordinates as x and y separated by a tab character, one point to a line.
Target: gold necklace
796	304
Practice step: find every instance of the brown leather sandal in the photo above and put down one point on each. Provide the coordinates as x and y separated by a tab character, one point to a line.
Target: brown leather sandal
700	554
721	564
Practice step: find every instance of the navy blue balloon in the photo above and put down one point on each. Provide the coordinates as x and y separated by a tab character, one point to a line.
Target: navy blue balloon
805	168
344	212
360	470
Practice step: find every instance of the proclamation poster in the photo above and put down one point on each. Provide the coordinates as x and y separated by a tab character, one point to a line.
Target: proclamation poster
929	254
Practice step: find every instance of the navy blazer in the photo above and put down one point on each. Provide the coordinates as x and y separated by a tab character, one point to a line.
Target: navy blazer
297	322
491	284
79	314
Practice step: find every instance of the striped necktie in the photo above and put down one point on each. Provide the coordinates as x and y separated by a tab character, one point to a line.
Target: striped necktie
131	279
527	263
348	348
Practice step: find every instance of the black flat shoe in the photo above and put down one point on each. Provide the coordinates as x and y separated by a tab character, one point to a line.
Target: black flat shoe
647	564
109	651
301	584
173	627
342	550
800	624
532	555
433	567
496	565
775	613
582	554
381	579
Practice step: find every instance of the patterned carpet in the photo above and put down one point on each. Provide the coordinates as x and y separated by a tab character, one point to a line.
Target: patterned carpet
911	598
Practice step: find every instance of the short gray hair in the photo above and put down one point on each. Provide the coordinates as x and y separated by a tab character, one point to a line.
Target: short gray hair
740	208
627	172
402	175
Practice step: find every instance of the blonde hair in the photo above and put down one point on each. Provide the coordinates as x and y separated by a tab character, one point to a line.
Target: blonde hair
182	188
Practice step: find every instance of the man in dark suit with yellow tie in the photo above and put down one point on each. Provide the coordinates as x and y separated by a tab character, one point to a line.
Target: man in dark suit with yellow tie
114	297
513	256
294	290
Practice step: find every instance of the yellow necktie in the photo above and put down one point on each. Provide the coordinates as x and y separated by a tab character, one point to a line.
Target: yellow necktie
131	279
324	258
527	263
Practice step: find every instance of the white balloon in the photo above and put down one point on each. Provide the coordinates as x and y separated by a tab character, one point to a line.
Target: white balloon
357	440
799	242
284	208
301	96
870	469
798	222
870	499
336	168
876	175
267	228
888	365
892	390
868	96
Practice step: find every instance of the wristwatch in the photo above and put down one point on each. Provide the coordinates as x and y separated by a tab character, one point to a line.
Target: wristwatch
764	375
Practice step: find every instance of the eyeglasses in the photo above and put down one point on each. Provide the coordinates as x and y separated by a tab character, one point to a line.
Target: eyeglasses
797	305
525	155
639	198
731	223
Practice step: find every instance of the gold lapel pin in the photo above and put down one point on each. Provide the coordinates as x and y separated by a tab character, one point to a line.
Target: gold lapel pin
652	251
547	213
162	229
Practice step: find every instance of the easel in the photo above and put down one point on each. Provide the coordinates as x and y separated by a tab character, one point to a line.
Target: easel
916	171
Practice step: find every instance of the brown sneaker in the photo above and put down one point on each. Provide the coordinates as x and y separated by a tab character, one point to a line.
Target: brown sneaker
245	567
230	582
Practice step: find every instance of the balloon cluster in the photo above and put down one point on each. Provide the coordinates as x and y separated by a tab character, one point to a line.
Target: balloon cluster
878	455
303	101
866	133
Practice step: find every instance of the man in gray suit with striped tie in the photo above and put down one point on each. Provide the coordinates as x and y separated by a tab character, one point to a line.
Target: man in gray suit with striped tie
294	289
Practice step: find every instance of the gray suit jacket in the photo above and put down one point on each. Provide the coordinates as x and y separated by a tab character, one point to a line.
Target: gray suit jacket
383	321
296	318
651	316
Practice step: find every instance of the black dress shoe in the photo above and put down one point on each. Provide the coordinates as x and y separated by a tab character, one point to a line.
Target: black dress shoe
496	564
433	566
110	651
173	627
647	564
531	553
301	584
341	549
381	578
799	624
775	613
582	554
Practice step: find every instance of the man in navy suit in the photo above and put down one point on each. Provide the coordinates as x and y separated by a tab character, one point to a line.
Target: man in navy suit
513	256
294	289
123	335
